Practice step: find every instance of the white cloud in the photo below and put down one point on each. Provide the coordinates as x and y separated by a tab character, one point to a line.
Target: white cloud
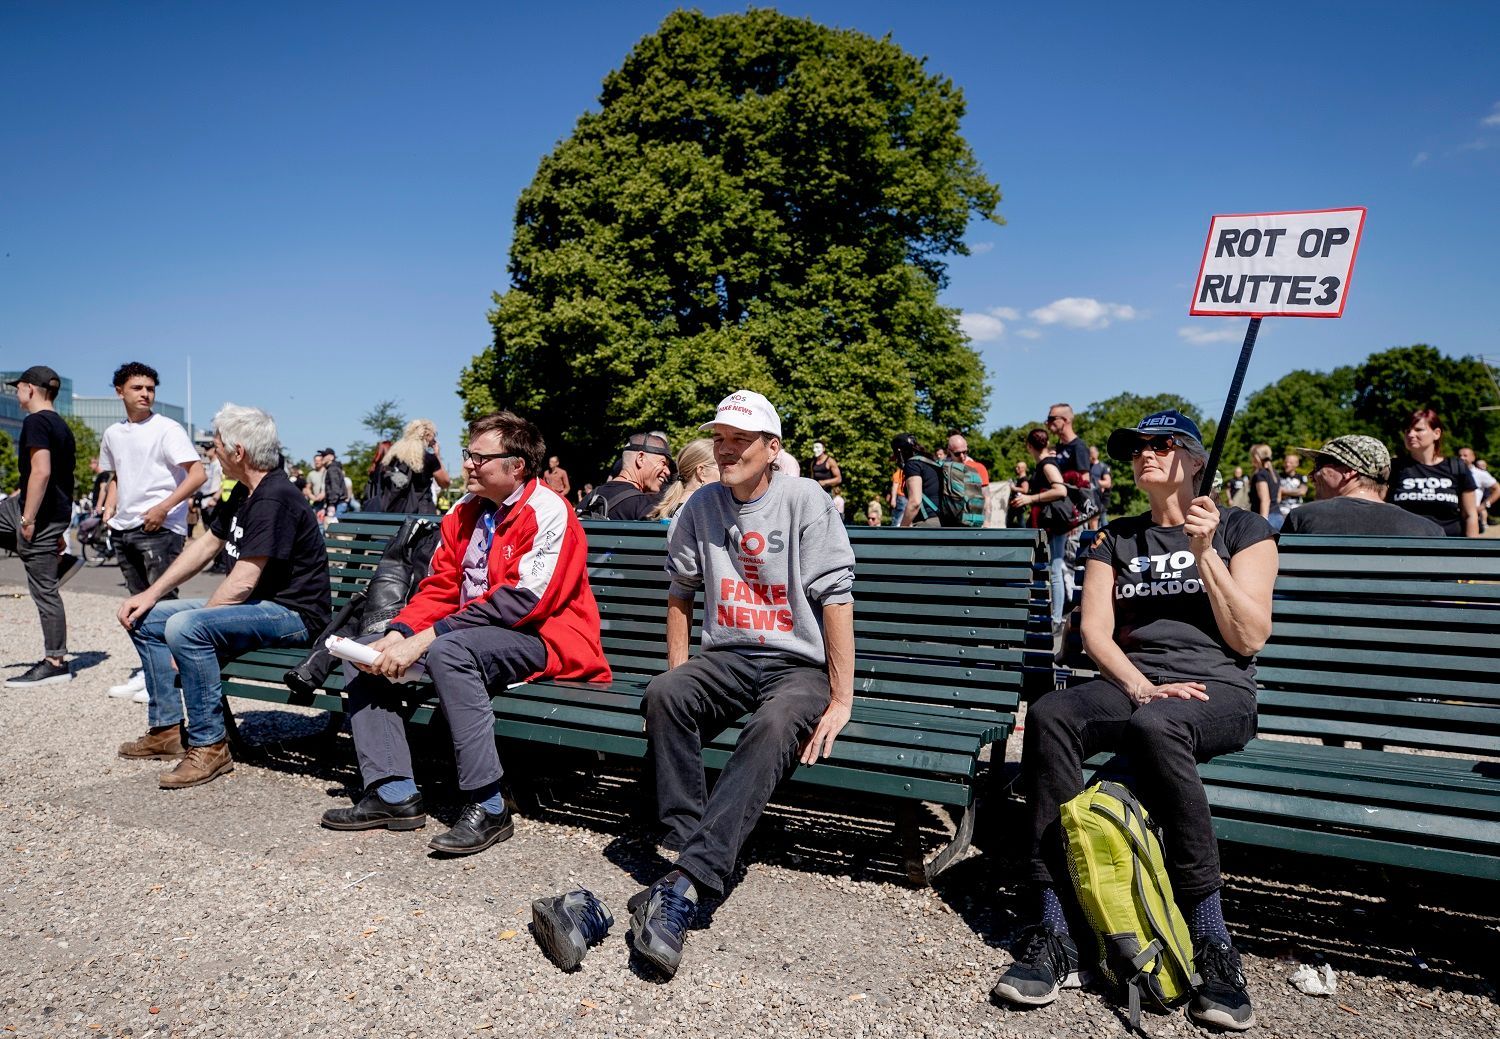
1493	119
1029	333
1420	159
1200	335
1082	312
980	248
985	326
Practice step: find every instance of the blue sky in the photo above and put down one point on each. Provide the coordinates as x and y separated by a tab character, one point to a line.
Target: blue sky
313	201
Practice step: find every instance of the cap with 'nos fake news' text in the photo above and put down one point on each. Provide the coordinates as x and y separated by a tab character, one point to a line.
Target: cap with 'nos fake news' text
747	410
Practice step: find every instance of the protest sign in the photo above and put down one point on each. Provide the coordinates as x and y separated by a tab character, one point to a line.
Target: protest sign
1278	264
1260	265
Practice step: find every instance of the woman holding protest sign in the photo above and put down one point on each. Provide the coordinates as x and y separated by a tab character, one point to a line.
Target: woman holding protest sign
1176	603
1430	485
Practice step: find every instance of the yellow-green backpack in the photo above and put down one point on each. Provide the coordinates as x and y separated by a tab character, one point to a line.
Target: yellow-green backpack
1120	878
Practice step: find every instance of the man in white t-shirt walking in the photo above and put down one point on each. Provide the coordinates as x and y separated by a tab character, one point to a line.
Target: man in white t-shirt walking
157	470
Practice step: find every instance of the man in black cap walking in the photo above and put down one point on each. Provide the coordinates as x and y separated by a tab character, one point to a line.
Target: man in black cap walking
33	521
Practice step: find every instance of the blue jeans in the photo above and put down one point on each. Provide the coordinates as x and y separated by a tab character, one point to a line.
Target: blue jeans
1057	565
197	638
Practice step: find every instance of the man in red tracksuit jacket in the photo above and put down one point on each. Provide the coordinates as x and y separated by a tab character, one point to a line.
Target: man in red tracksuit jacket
507	600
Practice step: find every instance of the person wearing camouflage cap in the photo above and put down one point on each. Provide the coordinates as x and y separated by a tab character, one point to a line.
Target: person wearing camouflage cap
1350	474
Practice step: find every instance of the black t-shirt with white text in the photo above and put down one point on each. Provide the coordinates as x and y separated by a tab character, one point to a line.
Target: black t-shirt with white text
275	522
1163	619
1358	516
47	430
1432	491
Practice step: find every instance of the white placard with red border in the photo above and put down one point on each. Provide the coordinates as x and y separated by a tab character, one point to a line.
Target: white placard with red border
1278	264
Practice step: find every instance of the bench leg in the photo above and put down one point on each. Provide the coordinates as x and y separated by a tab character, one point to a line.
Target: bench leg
238	748
921	870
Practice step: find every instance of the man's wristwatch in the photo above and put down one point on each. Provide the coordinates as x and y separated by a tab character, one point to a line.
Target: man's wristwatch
27	522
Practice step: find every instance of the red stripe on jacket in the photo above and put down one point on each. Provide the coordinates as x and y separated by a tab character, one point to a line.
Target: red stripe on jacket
538	551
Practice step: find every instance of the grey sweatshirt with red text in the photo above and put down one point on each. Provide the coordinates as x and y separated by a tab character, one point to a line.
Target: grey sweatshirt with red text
766	567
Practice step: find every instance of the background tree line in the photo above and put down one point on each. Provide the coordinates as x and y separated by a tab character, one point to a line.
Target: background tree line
1301	409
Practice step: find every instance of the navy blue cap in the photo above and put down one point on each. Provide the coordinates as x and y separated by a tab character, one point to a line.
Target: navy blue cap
1161	423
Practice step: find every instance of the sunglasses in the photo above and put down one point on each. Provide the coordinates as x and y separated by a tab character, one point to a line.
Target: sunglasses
1157	445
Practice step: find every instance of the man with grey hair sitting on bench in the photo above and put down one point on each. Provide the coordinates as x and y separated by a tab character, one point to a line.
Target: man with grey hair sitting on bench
276	594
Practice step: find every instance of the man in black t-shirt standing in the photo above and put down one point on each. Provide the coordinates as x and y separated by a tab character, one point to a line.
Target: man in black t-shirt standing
1351	473
32	522
276	594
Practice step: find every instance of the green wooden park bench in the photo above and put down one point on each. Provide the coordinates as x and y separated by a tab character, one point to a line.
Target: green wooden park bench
941	621
1385	652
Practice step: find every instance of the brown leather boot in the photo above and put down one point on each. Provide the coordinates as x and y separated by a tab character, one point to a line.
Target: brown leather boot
161	745
199	766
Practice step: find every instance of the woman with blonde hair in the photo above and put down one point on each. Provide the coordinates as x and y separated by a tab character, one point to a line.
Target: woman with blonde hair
409	468
695	467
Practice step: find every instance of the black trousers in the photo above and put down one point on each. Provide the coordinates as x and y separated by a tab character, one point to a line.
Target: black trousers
698	700
145	555
1165	740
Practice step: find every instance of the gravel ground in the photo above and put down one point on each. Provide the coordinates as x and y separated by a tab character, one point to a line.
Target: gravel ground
226	910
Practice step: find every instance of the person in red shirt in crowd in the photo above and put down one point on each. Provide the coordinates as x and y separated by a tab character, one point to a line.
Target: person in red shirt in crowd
507	600
958	448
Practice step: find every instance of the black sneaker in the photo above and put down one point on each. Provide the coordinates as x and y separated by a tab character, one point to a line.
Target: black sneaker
566	925
1221	1000
475	830
43	672
660	920
67	566
1045	961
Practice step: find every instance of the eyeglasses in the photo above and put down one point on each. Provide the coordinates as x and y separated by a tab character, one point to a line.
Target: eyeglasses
1157	445
1054	418
479	459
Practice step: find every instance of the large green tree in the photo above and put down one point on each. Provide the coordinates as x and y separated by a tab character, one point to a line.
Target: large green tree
1301	409
760	202
1392	384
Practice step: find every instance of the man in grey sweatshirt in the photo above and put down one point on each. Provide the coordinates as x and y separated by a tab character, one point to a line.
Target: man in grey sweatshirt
773	562
772	559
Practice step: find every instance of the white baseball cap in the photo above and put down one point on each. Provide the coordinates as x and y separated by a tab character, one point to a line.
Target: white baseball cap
747	410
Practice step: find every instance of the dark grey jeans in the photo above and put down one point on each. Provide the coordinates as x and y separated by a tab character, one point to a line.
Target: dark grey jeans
1165	740
145	555
466	667
698	700
39	556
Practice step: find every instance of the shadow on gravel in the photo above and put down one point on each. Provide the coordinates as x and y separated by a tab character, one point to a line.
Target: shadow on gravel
1428	930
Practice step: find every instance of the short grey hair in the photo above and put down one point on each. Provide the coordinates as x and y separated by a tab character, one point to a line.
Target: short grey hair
250	429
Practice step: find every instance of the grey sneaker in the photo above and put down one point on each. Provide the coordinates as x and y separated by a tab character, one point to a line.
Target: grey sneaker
566	925
1045	961
659	921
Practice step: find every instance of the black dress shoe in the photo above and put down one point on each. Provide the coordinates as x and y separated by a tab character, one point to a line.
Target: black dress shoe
474	831
372	812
